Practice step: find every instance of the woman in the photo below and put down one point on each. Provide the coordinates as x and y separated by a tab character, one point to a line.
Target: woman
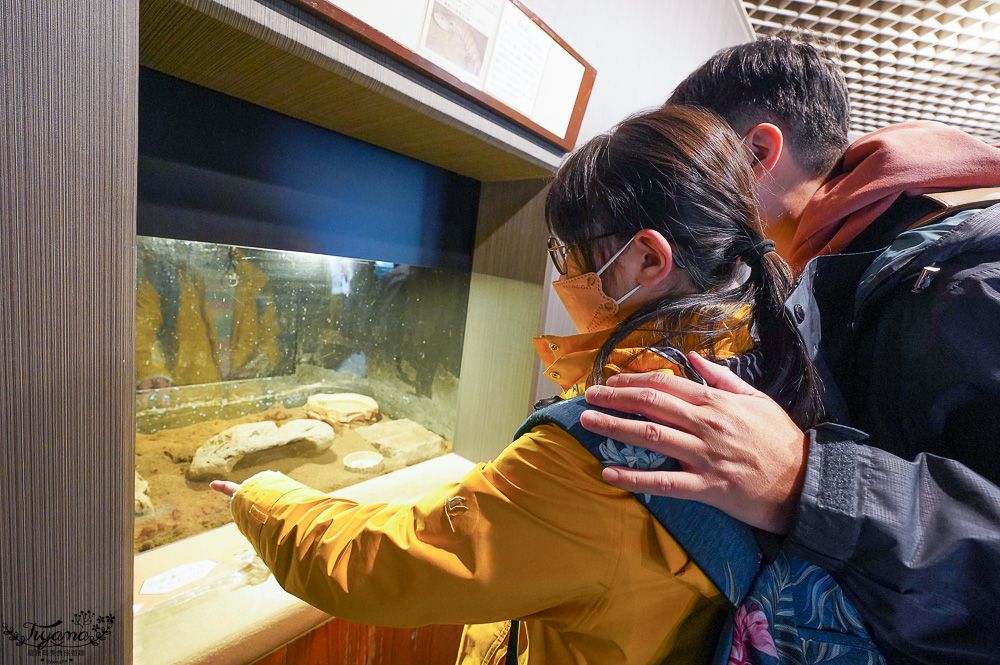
660	250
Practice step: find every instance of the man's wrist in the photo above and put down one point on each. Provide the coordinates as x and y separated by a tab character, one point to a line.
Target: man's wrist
788	507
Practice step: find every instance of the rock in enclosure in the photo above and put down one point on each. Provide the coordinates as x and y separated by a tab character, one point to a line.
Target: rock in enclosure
342	409
223	451
403	440
143	504
363	461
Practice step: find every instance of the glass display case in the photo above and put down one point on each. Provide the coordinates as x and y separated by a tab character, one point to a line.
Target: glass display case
301	305
329	369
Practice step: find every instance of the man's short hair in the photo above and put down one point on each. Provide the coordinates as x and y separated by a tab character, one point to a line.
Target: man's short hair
779	80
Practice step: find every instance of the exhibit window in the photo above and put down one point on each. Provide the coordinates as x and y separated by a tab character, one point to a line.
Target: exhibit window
301	300
251	359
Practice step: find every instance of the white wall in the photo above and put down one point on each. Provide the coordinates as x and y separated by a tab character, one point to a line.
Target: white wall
641	49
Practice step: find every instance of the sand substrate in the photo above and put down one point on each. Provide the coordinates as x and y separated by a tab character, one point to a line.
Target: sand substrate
182	508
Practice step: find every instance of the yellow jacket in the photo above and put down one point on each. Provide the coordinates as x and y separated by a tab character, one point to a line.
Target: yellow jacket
544	539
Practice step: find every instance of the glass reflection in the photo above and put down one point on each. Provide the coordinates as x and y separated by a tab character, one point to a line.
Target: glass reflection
230	336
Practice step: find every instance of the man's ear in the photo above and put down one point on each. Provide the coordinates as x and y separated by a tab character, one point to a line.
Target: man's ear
657	258
767	144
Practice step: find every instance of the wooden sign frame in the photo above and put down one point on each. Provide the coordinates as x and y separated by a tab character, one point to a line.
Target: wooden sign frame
382	42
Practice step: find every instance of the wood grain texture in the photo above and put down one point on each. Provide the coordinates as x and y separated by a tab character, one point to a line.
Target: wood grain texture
348	643
68	73
511	230
384	43
505	300
279	657
291	63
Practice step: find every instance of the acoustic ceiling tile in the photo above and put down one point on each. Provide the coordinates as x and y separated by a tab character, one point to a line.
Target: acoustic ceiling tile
904	59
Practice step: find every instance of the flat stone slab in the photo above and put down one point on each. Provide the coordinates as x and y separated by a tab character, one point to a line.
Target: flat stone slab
342	410
403	440
296	438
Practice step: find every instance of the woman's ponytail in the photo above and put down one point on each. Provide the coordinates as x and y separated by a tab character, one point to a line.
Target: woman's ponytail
790	376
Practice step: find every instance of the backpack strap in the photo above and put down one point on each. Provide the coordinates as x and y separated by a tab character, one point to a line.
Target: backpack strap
957	201
515	630
722	547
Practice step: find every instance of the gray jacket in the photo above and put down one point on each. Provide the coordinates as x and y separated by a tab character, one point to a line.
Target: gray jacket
904	510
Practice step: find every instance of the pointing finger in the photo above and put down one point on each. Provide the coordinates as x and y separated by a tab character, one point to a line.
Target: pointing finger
226	487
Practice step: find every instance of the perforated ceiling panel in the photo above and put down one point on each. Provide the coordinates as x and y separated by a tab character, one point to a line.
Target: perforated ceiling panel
905	60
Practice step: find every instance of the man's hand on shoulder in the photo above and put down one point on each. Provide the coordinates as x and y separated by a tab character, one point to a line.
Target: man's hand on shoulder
738	449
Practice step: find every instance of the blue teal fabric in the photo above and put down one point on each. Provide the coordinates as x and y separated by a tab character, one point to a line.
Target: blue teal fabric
907	246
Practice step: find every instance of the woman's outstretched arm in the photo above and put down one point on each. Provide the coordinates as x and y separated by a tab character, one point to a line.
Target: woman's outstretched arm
495	546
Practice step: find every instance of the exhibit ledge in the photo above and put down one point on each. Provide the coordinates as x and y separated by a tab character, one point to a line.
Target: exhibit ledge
212	606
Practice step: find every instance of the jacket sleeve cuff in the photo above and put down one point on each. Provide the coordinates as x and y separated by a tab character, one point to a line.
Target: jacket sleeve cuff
827	522
251	505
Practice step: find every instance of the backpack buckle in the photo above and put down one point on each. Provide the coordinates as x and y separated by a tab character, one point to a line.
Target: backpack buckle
926	277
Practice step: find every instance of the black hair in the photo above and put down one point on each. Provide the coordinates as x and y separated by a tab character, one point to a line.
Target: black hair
682	172
781	80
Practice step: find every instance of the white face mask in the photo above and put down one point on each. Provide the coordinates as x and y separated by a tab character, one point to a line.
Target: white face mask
583	296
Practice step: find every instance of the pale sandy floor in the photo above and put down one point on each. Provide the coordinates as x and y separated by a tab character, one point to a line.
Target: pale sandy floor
182	508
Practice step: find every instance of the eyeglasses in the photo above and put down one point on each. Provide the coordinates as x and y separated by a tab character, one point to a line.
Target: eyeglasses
559	252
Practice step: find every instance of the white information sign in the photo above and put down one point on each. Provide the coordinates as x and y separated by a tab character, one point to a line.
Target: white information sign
494	46
400	20
519	56
458	36
175	578
557	93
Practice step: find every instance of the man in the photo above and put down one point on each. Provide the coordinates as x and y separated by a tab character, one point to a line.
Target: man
909	328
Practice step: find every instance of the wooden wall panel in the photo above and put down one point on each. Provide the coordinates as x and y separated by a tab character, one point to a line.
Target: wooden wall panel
348	643
279	657
505	301
68	92
297	64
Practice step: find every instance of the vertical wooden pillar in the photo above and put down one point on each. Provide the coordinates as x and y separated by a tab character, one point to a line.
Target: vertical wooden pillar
505	300
68	88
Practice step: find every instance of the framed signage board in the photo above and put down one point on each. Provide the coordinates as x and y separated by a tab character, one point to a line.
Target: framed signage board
496	53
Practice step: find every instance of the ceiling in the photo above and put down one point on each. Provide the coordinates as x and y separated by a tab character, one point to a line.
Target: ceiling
904	60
